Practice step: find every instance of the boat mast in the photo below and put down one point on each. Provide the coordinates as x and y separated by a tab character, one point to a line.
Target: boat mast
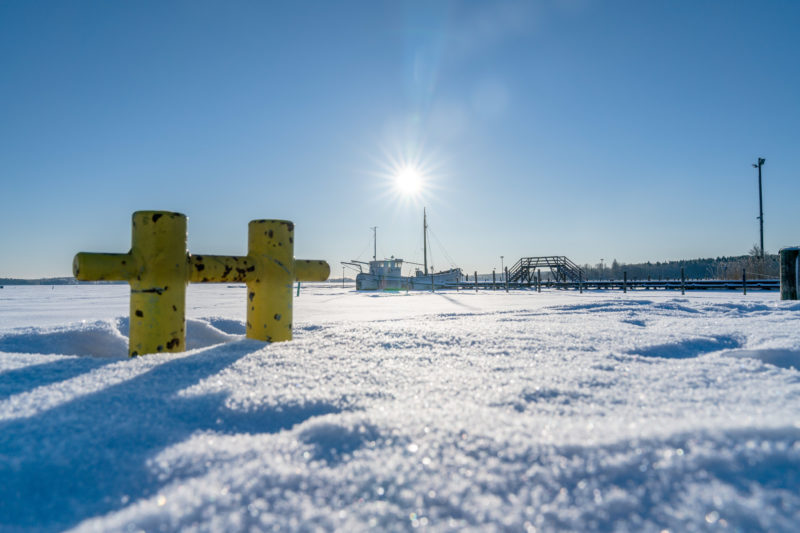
425	239
374	243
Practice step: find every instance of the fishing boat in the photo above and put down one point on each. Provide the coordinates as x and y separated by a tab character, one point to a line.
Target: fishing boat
386	274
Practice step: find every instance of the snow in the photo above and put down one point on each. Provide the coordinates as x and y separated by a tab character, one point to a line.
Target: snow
454	411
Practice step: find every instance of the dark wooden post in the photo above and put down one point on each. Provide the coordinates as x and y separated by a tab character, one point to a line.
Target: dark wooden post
744	281
476	281
790	264
580	282
506	279
539	280
625	281
683	281
494	281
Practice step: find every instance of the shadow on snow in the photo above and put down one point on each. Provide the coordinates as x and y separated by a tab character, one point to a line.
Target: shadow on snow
87	456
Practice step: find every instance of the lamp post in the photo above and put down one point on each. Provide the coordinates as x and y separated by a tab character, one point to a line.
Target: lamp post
761	161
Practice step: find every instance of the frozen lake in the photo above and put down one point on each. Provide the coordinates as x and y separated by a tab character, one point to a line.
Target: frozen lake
446	412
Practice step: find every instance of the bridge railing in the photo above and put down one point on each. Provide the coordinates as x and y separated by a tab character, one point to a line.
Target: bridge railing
560	266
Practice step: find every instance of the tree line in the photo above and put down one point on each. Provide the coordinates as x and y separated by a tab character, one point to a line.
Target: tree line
703	268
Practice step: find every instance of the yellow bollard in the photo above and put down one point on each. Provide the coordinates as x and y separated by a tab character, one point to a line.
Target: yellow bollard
269	293
269	269
158	292
158	267
269	288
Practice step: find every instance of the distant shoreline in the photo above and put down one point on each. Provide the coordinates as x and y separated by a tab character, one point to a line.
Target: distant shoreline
54	281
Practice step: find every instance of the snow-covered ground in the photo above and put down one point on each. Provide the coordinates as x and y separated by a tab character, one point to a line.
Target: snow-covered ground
450	411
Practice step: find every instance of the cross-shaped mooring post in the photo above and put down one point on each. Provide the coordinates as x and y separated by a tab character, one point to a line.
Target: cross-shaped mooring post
158	268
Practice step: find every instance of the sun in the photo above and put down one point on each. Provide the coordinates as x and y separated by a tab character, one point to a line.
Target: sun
405	177
409	181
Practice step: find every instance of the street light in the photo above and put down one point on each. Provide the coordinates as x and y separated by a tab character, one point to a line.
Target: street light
761	161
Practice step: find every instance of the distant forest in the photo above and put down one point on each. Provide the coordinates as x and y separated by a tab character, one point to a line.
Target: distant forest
711	268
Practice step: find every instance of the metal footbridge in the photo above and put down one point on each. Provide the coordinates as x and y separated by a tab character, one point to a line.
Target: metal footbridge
563	270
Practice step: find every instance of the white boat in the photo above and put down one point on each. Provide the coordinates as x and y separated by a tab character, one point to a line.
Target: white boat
386	274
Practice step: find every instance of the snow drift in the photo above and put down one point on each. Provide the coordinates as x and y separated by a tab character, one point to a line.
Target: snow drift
444	412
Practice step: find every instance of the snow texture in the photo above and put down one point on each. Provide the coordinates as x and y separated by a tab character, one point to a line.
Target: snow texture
451	411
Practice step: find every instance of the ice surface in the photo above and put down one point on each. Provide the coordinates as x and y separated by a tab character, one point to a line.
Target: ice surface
449	411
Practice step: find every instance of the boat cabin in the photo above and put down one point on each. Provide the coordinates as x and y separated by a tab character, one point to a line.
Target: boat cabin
386	268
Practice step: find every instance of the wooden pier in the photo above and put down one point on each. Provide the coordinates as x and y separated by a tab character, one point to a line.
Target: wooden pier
626	285
564	274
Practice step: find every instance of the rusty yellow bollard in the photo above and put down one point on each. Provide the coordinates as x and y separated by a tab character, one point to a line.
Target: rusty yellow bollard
269	271
158	267
269	289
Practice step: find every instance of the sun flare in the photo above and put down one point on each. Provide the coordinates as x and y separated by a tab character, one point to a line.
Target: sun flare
406	177
408	181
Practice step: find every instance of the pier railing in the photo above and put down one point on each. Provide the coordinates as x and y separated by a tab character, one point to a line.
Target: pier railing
492	281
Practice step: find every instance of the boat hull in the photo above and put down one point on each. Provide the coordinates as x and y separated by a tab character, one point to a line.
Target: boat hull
438	280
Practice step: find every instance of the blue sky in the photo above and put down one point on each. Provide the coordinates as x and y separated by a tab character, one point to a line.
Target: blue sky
614	129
